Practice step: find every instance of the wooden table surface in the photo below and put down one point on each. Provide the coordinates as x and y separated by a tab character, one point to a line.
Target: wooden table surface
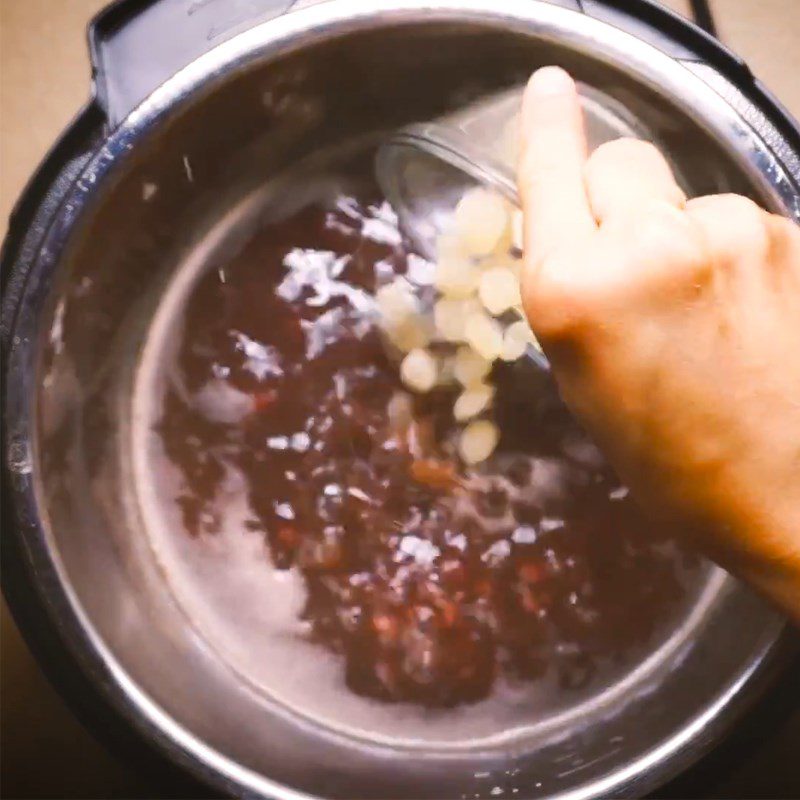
44	79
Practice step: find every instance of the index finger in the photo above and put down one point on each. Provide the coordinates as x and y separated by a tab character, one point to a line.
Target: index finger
551	180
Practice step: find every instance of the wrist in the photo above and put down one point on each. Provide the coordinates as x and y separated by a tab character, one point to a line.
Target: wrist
757	534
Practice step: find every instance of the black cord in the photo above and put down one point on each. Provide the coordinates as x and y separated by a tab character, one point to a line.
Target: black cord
703	16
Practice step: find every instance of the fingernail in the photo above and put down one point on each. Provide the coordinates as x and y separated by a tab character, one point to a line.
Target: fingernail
550	81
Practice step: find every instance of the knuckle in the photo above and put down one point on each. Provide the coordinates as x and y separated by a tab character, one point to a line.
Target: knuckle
623	173
626	150
664	254
737	226
669	240
743	208
560	307
784	240
662	226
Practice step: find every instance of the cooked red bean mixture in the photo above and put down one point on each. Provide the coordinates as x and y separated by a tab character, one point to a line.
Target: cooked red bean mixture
430	579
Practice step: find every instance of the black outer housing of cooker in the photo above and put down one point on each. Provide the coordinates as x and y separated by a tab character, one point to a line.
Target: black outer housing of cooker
124	73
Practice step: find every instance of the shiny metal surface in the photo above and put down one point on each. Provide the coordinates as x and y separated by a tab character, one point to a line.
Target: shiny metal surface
205	140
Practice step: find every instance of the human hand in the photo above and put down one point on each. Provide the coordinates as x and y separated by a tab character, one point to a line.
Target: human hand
673	329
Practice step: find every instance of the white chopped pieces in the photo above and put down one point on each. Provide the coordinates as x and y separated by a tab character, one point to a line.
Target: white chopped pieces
484	335
400	411
396	302
446	376
405	325
449	245
517	229
473	401
451	319
420	271
470	367
480	220
499	290
412	332
478	441
456	277
419	371
497	261
516	339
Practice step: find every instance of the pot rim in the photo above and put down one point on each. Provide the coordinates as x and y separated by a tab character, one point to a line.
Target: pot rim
271	39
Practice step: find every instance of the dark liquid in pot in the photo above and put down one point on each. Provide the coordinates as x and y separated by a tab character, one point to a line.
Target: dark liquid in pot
429	579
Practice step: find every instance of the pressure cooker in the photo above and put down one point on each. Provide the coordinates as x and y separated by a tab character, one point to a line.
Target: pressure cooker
195	104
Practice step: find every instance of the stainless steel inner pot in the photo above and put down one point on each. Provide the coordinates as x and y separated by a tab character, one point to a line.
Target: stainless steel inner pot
172	186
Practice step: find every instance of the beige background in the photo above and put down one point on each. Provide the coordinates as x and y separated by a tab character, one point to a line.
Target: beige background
44	79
